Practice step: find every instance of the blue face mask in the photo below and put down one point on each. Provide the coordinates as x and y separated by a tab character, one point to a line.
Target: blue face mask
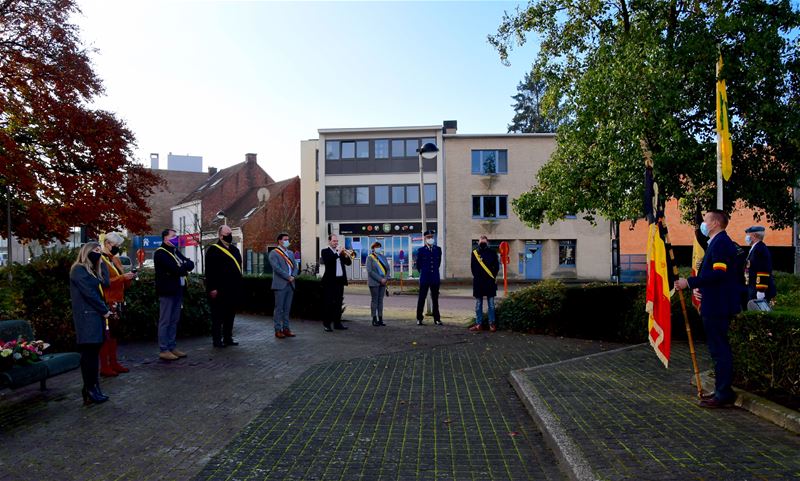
377	250
285	244
747	239
704	229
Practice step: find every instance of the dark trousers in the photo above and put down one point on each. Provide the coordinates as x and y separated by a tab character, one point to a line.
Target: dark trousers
223	311
90	363
423	294
333	297
720	349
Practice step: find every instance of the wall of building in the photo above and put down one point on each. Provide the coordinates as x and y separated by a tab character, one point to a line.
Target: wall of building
309	187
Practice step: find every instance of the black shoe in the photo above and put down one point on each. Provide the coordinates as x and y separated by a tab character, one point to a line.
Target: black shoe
93	396
375	321
327	329
340	327
420	323
438	322
217	344
380	321
230	342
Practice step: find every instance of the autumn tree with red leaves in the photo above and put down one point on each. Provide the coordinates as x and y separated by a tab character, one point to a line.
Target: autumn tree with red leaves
62	163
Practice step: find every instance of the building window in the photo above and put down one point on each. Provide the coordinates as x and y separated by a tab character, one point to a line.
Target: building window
570	216
332	197
381	194
348	195
489	162
332	150
427	141
411	147
317	205
316	161
381	149
362	195
398	148
412	194
348	150
430	194
362	149
566	253
398	194
490	206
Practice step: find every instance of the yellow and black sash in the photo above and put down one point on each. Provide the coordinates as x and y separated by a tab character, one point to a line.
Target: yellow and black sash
228	253
384	269
480	261
111	265
186	278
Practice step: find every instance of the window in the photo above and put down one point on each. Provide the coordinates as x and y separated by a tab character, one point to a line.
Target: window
412	194
570	216
411	147
398	194
490	206
427	141
489	162
332	197
398	148
348	150
348	195
362	195
381	149
332	150
381	194
362	149
566	253
250	212
317	205
430	194
316	160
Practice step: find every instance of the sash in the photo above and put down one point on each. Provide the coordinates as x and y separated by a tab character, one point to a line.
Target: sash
228	253
286	258
480	261
380	264
111	265
185	278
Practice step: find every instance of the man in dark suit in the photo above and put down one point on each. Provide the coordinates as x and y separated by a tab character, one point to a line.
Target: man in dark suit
172	270
335	259
485	266
429	258
720	290
223	271
760	284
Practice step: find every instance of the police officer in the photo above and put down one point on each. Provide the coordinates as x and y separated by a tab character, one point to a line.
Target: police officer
758	273
429	258
720	290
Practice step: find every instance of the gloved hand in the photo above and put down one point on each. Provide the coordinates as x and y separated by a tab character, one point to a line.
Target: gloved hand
760	295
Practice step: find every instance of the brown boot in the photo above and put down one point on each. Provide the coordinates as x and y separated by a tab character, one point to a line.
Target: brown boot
105	366
112	357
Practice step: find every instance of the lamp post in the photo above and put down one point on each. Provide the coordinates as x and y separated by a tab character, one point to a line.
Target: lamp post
221	215
427	151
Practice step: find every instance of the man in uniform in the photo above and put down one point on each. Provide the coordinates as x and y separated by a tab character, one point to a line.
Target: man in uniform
429	258
223	282
720	290
758	272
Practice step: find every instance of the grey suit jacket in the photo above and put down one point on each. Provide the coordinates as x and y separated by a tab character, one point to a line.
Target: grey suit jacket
374	272
280	269
88	306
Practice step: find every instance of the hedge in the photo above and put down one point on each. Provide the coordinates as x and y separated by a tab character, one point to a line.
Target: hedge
257	297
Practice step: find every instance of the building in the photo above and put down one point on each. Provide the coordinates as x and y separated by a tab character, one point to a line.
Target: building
185	163
364	185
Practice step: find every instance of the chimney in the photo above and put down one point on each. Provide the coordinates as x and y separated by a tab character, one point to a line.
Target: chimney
250	158
154	161
449	126
212	171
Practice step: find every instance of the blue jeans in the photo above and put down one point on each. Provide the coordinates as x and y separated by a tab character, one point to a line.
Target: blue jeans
169	316
479	309
720	349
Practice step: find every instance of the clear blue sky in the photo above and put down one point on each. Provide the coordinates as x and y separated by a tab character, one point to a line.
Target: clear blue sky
220	79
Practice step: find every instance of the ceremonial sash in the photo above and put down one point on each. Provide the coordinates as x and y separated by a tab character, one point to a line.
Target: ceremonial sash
380	264
228	253
286	258
186	281
480	261
111	265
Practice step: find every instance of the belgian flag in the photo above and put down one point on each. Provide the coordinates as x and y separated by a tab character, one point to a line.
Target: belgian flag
658	304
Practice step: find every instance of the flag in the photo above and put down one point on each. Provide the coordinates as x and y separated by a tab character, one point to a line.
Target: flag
724	147
698	251
658	305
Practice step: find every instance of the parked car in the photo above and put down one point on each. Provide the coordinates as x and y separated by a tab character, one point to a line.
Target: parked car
149	264
126	263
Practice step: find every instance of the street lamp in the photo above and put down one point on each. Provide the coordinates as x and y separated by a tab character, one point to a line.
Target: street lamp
221	216
427	151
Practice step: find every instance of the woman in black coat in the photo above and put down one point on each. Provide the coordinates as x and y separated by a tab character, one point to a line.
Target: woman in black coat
87	278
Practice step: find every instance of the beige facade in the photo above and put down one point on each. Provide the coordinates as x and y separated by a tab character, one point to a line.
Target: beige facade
572	248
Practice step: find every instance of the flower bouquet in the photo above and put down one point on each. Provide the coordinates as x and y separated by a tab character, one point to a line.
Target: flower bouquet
20	351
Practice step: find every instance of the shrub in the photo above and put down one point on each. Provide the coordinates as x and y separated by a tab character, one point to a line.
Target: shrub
535	309
257	297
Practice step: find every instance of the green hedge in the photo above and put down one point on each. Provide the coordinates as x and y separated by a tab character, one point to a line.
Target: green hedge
257	297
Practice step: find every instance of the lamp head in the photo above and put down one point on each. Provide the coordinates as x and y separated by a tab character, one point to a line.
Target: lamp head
428	151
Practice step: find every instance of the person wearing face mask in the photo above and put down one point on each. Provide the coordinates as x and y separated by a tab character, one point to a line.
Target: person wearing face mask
378	271
115	298
172	270
88	278
485	266
223	271
284	271
720	290
758	271
335	258
429	259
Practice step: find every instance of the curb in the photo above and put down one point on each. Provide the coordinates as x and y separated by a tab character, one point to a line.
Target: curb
570	458
781	416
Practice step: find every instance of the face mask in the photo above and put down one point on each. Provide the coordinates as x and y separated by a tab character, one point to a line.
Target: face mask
94	257
377	250
483	245
114	250
429	241
747	239
172	240
704	229
285	244
228	238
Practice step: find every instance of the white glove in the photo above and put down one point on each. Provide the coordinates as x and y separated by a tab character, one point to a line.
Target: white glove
760	295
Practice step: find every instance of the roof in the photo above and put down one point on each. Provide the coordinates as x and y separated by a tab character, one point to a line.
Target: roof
248	203
178	184
489	136
379	129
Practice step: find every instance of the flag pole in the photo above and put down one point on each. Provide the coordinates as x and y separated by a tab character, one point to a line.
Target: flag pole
719	173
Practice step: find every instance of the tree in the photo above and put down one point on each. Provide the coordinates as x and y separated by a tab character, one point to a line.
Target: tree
528	111
63	163
637	78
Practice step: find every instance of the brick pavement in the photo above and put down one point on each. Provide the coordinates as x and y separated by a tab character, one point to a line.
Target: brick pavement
633	419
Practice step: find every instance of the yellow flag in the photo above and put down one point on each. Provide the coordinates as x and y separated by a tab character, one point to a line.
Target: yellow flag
723	127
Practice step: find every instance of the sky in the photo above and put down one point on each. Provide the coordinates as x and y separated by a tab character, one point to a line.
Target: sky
221	79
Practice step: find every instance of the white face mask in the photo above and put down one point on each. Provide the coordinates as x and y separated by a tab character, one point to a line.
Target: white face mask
285	244
377	250
748	240
429	241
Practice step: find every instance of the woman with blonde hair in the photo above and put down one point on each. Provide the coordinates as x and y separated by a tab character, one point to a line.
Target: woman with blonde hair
87	279
114	297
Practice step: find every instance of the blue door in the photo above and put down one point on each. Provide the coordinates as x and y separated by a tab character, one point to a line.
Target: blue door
533	260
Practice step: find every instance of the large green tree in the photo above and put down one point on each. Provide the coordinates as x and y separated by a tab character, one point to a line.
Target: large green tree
62	163
528	107
638	78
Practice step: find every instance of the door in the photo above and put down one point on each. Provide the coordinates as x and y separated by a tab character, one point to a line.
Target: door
533	260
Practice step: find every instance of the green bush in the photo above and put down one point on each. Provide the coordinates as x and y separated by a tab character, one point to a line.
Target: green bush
257	297
534	309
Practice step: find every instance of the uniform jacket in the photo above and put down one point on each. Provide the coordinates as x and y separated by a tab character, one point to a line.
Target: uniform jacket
222	273
429	258
759	272
374	272
169	270
88	306
281	271
116	291
717	279
329	260
482	284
